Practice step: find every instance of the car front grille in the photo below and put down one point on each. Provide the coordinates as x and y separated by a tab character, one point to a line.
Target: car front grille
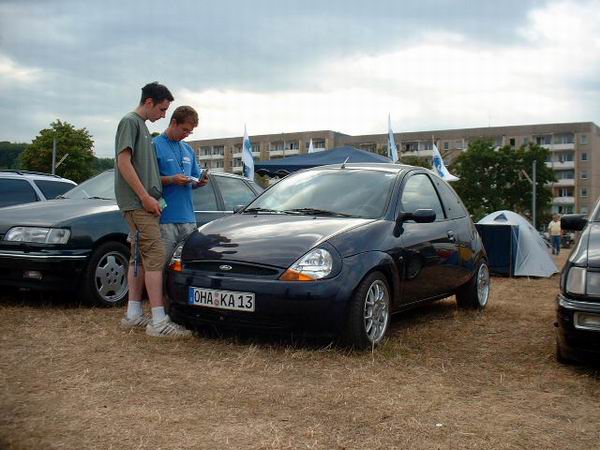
235	268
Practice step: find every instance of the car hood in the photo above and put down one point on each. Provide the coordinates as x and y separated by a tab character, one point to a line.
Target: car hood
52	212
274	240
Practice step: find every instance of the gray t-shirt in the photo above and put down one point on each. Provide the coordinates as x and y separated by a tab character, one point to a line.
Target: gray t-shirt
132	132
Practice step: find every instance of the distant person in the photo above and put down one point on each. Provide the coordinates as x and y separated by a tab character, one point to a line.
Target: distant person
138	190
179	174
555	233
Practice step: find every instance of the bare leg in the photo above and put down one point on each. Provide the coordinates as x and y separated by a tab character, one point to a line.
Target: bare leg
154	286
136	283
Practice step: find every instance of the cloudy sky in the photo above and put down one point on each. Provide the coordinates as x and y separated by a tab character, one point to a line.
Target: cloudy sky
288	65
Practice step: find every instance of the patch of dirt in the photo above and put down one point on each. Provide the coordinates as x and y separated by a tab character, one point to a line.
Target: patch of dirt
445	378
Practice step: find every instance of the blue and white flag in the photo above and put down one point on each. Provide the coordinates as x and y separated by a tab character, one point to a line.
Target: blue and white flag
392	150
247	159
311	149
437	164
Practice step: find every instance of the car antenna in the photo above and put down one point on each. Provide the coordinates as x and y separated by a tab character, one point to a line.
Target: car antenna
344	163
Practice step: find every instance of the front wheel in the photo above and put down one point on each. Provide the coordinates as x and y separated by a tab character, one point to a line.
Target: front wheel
105	277
369	315
475	293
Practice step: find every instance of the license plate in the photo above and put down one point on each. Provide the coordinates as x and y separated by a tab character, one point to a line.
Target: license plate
213	298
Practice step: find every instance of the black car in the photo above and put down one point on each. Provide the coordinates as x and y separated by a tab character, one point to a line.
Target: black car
79	242
332	250
578	303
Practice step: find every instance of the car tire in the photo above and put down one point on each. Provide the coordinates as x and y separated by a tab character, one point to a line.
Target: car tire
369	313
474	294
105	277
560	356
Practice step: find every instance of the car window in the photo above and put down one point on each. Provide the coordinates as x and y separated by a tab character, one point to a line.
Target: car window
454	206
101	186
204	198
14	192
51	189
419	193
355	192
234	192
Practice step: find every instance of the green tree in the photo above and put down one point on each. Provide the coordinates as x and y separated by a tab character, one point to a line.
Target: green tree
418	161
102	164
77	143
9	154
492	179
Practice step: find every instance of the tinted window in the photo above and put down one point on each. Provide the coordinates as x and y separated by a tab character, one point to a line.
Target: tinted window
454	207
15	192
51	189
419	193
234	192
204	198
356	192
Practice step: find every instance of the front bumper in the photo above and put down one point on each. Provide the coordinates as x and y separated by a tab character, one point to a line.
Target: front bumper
318	307
42	270
576	342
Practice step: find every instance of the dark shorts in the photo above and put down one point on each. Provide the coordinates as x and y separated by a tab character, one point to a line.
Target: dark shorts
152	249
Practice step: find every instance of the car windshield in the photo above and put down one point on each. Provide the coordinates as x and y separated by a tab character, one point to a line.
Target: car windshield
335	192
101	186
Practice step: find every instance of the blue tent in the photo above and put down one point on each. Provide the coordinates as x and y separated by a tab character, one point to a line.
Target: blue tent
284	166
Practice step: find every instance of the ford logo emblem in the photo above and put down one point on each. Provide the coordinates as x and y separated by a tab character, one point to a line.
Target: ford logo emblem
225	267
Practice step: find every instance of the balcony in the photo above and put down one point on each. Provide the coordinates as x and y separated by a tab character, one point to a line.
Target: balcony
236	169
563	201
557	165
239	155
558	147
419	153
565	182
209	157
276	153
292	151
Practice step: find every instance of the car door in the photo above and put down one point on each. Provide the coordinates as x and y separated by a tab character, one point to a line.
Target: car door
234	192
429	250
206	206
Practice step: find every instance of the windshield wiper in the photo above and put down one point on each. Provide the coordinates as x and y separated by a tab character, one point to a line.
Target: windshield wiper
99	198
261	210
316	212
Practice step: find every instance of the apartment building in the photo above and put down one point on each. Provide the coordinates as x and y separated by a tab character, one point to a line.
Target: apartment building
574	152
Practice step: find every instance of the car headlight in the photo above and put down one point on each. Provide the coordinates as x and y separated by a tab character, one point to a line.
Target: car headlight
38	235
582	282
175	261
314	265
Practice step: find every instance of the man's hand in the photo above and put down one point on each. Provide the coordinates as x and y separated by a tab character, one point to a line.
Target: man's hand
151	205
179	179
202	182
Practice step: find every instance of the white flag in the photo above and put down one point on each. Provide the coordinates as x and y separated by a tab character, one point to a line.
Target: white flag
311	149
392	150
247	159
438	166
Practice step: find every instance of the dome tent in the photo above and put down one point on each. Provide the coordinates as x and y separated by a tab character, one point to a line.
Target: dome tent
525	249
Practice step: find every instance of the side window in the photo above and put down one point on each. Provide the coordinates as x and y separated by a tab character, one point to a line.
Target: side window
234	192
15	192
454	206
51	189
204	198
419	193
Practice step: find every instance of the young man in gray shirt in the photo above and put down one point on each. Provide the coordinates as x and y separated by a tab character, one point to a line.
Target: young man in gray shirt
138	190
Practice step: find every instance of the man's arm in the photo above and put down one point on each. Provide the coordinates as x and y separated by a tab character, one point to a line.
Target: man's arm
129	174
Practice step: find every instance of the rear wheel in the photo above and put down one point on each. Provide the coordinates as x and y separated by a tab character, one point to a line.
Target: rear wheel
369	315
105	279
474	294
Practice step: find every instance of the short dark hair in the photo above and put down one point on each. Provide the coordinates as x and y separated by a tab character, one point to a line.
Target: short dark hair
184	114
157	92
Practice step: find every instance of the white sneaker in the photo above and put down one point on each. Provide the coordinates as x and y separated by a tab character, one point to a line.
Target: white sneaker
167	327
139	321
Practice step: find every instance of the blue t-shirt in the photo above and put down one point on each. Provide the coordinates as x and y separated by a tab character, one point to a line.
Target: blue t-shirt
176	157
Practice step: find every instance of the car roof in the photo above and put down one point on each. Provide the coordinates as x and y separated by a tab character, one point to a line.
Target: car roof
382	167
33	175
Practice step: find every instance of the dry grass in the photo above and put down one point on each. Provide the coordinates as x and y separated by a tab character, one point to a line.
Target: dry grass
71	379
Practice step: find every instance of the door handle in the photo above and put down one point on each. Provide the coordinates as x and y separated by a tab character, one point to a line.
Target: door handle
451	237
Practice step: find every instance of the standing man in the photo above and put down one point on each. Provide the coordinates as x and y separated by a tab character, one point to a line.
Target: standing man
138	190
179	173
555	232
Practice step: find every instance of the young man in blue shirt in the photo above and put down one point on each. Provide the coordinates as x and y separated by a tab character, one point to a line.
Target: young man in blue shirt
179	174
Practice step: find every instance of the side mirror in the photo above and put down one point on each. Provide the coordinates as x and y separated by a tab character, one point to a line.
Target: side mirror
573	222
419	216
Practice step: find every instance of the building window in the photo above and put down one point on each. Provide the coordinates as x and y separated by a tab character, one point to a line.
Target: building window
218	164
276	145
584	175
218	150
583	192
545	139
294	145
583	209
584	156
446	145
427	145
566	138
256	148
565	192
512	142
525	141
583	139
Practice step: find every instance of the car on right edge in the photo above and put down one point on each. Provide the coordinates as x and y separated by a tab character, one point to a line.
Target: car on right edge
578	303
